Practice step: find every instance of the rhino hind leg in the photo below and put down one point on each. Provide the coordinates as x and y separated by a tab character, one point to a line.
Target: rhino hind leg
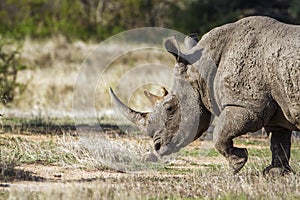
233	122
280	147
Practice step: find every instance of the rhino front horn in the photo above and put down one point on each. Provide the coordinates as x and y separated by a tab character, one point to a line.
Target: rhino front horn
139	118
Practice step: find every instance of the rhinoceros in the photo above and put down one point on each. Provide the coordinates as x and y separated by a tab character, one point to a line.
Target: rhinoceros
247	73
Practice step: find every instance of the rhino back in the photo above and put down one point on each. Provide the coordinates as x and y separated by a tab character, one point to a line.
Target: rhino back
258	60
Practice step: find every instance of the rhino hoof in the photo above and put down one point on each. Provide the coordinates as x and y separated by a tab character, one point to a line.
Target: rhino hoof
277	171
238	159
150	157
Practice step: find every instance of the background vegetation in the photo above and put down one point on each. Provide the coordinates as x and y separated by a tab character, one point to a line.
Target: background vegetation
99	19
69	21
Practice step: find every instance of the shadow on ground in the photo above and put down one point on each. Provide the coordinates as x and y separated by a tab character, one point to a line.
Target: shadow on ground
36	127
12	174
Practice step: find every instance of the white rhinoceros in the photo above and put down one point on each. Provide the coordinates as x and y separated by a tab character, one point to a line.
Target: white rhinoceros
247	73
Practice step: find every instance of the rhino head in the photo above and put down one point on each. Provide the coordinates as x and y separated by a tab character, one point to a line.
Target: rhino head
179	116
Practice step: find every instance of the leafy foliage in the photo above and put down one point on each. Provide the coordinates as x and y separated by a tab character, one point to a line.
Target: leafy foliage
9	67
99	19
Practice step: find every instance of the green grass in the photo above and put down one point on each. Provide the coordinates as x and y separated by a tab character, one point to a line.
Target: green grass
213	153
261	153
251	141
295	153
186	152
198	152
4	195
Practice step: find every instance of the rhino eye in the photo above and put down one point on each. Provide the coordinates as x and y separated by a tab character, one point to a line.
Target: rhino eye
169	107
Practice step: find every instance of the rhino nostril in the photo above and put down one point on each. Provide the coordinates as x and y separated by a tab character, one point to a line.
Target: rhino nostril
157	146
157	142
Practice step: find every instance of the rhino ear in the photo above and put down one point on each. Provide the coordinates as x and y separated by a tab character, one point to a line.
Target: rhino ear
172	47
191	40
193	54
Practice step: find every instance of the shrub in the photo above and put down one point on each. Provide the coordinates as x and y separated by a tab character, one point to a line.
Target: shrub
9	66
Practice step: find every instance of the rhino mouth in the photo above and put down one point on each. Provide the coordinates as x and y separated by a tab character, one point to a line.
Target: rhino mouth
167	149
173	146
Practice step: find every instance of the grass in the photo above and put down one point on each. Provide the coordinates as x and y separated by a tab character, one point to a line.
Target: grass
252	141
36	124
172	178
10	157
49	143
197	152
119	171
208	185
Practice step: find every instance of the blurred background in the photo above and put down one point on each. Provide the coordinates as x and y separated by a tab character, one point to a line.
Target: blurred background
43	42
99	19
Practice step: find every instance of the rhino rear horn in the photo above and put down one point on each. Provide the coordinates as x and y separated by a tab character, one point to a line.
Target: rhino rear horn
138	118
154	98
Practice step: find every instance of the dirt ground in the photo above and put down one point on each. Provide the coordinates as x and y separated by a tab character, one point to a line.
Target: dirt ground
193	173
40	176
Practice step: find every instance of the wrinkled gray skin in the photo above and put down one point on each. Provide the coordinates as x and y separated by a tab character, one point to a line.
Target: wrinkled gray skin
247	73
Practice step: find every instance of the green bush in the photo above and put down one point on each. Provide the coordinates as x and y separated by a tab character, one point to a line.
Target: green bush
9	67
99	19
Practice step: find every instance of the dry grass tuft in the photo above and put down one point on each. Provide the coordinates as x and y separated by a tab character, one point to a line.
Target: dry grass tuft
90	152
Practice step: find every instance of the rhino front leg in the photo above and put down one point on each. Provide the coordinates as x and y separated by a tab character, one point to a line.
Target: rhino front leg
233	122
280	147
